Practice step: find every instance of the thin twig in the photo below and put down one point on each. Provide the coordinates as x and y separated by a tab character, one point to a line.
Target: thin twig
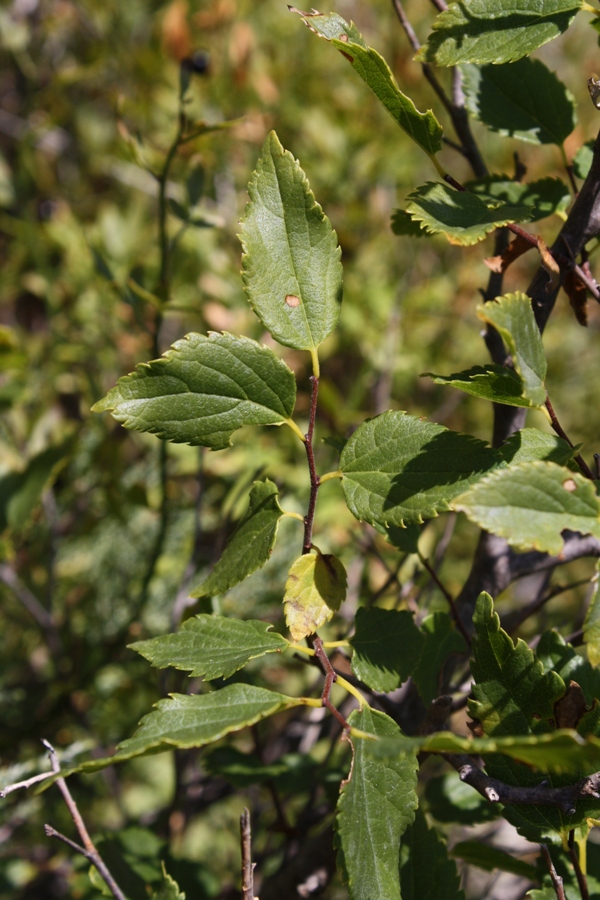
561	433
247	864
33	607
330	677
556	879
88	850
581	879
309	519
416	45
453	610
18	785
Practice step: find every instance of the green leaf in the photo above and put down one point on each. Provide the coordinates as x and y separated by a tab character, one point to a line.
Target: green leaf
530	444
524	100
241	769
556	655
211	646
423	128
582	163
545	196
376	805
404	539
168	889
591	626
426	871
513	317
441	641
563	752
404	224
315	589
20	492
531	504
489	858
399	470
203	389
495	31
291	259
548	893
251	544
462	217
490	382
387	645
193	720
512	694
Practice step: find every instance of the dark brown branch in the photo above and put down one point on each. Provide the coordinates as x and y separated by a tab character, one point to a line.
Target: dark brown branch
581	879
563	798
88	850
309	519
561	433
247	864
556	879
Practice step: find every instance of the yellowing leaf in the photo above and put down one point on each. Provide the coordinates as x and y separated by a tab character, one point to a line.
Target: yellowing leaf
315	589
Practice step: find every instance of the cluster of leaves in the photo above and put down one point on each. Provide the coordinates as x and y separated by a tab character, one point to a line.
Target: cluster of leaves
124	573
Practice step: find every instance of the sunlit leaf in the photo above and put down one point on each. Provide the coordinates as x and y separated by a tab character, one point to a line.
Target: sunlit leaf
203	389
531	504
400	470
530	444
513	317
314	590
490	382
423	128
495	31
591	626
545	196
376	805
211	646
291	261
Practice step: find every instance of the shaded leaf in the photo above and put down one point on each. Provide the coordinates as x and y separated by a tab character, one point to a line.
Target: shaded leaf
426	871
376	805
20	492
531	504
462	217
545	196
576	291
203	389
591	626
241	769
211	646
555	654
513	317
530	444
400	470
404	224
423	128
484	856
250	545
387	645
315	589
168	889
524	100
193	720
495	31
404	539
451	800
291	259
442	640
491	382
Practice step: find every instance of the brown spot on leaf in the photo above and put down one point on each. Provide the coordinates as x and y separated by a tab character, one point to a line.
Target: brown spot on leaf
570	708
536	716
570	485
344	38
476	728
292	300
548	262
347	55
577	294
501	263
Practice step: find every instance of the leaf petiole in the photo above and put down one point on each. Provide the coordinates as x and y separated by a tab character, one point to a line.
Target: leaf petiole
329	475
295	429
351	690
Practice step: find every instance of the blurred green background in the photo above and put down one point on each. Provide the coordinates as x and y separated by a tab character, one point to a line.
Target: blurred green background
88	109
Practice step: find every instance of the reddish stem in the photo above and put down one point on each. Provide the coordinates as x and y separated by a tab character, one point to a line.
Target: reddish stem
585	469
330	677
309	518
